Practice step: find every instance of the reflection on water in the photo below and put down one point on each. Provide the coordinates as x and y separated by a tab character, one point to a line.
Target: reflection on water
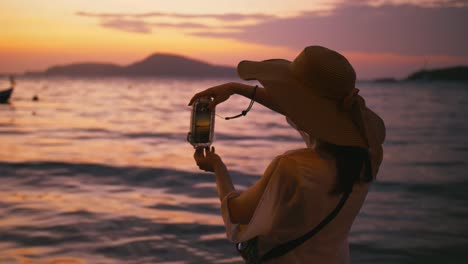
145	125
104	214
98	171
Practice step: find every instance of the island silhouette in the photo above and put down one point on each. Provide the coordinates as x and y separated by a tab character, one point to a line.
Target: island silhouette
457	73
155	65
171	65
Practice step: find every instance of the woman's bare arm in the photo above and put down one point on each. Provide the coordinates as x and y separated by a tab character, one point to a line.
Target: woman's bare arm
241	208
261	96
221	93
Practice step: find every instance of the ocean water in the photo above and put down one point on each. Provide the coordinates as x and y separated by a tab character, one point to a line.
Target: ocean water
98	171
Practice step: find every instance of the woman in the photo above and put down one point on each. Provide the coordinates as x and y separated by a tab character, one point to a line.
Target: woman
300	188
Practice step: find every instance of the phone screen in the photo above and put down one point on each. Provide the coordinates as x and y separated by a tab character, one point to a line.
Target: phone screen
202	123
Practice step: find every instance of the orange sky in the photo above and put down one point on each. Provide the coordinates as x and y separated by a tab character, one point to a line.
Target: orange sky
38	34
41	33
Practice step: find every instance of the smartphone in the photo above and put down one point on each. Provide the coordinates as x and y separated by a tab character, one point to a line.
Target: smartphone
201	124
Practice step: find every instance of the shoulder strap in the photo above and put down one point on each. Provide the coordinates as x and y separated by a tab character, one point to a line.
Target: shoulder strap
284	248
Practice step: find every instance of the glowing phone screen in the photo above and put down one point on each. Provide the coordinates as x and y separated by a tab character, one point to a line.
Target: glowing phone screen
202	123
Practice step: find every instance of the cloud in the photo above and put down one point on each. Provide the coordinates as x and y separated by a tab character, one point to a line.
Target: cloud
421	3
140	26
186	25
143	22
230	17
222	17
98	15
431	28
133	26
399	29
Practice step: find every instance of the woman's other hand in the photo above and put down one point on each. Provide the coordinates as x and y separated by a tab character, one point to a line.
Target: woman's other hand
207	159
219	93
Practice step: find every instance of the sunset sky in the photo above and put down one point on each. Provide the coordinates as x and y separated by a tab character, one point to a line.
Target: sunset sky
380	38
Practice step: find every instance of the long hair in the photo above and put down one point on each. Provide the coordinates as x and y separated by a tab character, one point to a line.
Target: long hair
353	165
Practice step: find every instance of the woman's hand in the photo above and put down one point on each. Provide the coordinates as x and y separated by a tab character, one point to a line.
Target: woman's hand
207	159
219	93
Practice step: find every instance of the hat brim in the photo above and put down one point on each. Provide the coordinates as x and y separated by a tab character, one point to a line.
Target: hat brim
322	118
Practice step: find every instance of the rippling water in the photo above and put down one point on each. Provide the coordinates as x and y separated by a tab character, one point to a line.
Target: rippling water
98	171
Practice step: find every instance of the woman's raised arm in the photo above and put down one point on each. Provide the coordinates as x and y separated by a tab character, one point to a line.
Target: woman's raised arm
221	93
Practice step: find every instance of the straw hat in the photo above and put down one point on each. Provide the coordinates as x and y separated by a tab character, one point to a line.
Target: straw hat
317	92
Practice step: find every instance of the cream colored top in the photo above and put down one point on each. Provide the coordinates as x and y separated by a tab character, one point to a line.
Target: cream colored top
295	200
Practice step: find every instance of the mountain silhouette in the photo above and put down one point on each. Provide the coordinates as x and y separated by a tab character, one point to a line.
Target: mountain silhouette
84	69
156	65
172	65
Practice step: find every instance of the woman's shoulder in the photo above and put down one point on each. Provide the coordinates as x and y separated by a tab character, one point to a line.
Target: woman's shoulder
307	163
299	152
308	156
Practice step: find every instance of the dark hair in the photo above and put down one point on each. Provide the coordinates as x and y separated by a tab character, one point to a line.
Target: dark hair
350	162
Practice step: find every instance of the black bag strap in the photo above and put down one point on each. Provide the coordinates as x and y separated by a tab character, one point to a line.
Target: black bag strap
284	248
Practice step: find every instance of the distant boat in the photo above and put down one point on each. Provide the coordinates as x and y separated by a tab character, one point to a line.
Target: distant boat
5	94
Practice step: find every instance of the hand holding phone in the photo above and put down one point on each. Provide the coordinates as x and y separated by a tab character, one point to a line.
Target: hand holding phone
201	123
